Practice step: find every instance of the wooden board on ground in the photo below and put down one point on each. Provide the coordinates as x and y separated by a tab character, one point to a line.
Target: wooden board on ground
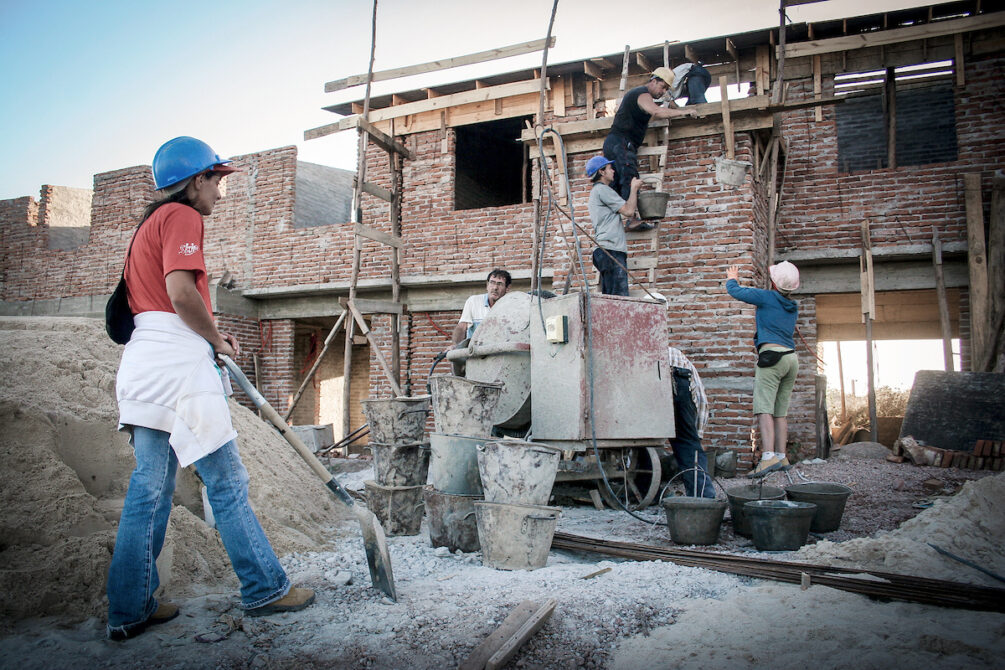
952	410
516	628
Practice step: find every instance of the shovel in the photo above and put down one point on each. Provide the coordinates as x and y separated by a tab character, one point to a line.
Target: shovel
377	558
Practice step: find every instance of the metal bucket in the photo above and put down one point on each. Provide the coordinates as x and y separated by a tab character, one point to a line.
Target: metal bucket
653	204
398	508
397	420
453	464
517	472
395	465
744	494
694	520
829	499
779	525
515	537
730	172
452	522
463	406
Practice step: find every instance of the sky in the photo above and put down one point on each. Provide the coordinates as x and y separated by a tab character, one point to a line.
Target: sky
95	86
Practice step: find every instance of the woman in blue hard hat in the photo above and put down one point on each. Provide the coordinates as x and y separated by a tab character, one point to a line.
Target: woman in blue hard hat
777	365
606	209
173	400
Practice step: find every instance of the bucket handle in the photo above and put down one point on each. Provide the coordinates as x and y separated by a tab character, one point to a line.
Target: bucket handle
535	517
467	515
695	468
424	410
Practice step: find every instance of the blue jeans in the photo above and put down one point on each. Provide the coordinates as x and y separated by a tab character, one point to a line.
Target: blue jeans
132	577
613	277
687	445
624	153
698	81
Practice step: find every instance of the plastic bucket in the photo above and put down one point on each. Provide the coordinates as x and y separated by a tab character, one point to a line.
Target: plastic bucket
397	420
453	464
653	204
463	406
730	172
452	523
400	465
398	508
829	499
779	525
517	472
694	520
740	495
515	537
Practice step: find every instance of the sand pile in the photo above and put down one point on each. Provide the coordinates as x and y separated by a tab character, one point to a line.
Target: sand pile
64	470
969	524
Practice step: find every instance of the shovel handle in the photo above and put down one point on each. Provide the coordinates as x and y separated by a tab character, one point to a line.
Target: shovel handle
284	429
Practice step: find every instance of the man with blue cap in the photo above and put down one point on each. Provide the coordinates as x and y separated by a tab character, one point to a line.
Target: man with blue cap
606	209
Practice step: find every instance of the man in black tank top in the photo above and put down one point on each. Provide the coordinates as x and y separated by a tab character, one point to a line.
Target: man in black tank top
630	123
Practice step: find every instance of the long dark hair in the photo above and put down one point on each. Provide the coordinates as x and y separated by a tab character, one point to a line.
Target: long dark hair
179	197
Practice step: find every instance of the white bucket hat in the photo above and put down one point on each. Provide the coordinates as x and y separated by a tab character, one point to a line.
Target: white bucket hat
785	275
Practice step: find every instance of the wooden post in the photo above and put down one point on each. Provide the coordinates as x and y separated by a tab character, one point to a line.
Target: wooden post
823	423
868	312
780	78
772	195
844	406
624	75
977	262
940	289
727	125
818	112
890	88
996	273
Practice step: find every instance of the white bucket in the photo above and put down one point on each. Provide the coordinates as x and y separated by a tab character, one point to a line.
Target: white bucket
515	537
453	464
730	172
517	472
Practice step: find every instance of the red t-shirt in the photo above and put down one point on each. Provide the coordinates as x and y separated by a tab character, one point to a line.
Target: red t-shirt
171	239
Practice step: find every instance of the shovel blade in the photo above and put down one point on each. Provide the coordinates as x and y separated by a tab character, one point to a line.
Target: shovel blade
377	557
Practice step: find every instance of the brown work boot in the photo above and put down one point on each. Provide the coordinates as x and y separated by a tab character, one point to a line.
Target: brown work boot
294	601
164	613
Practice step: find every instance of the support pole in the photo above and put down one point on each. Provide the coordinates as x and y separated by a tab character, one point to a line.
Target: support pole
940	289
978	266
868	311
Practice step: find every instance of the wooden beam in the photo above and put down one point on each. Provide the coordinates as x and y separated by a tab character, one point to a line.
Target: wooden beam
996	273
732	51
624	75
868	313
557	96
977	262
457	99
433	66
365	329
818	113
940	290
961	79
727	124
593	70
376	191
896	35
762	69
890	112
369	306
513	644
490	645
376	235
643	62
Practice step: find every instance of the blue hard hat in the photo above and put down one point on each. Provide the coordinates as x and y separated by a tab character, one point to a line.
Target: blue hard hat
595	164
184	157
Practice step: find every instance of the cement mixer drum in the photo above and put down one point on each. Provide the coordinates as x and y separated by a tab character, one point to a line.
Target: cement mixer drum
506	327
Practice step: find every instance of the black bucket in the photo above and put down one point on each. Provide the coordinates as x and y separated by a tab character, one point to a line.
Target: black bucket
694	520
779	525
739	495
829	499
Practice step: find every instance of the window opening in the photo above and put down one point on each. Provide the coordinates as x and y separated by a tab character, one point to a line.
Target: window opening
491	165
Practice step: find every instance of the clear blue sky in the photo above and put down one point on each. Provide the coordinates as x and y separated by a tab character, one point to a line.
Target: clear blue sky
95	86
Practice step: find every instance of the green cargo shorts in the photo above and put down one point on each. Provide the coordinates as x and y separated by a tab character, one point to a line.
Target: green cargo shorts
773	386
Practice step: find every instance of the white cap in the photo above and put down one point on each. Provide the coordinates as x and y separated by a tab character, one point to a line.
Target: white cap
785	275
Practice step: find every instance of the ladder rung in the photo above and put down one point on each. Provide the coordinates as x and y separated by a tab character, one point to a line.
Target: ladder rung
641	262
376	235
384	141
367	306
377	191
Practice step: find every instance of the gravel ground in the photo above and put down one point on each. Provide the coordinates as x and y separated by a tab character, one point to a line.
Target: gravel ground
448	602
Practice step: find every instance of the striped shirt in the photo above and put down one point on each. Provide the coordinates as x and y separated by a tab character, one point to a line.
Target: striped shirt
679	360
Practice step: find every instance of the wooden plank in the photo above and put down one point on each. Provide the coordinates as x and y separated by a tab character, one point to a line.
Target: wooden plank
890	112
372	233
896	35
762	69
557	96
433	66
593	70
375	347
641	262
369	306
510	625
977	262
377	191
384	141
961	79
513	644
818	113
624	75
643	62
996	274
727	125
940	291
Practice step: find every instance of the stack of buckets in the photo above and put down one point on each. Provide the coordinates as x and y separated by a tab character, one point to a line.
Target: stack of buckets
400	462
515	525
462	421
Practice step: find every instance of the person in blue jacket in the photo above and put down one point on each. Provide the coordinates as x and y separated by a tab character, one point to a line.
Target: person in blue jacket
777	365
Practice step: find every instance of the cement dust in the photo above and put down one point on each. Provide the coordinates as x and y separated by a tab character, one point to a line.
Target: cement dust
64	470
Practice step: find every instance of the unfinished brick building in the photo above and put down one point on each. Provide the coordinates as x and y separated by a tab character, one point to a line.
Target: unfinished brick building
905	135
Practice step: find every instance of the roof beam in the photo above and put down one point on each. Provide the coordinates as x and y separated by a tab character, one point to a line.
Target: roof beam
433	66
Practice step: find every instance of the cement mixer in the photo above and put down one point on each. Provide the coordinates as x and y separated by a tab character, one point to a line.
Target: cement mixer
538	349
